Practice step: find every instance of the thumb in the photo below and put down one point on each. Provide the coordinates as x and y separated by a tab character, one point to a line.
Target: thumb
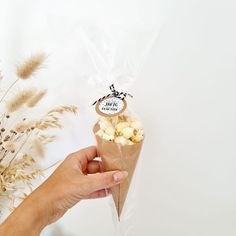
106	179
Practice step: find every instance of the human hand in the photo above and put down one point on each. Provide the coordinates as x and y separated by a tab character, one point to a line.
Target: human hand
78	177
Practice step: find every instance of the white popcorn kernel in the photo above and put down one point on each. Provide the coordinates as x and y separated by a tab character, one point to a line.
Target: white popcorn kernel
104	124
137	138
136	125
120	126
140	132
121	140
100	133
108	137
128	132
110	130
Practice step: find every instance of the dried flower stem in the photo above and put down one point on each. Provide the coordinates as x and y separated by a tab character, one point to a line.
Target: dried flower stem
13	158
3	156
7	91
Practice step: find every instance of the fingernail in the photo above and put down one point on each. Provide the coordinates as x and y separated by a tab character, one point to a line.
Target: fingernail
119	176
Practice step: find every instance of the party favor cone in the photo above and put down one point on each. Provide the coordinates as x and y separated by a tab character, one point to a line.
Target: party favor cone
118	157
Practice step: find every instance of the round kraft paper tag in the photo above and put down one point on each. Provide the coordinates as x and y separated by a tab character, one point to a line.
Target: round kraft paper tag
111	106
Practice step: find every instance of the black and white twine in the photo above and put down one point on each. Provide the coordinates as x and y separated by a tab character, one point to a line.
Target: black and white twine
114	93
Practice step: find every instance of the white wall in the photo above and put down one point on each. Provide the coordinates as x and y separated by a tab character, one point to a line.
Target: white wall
185	95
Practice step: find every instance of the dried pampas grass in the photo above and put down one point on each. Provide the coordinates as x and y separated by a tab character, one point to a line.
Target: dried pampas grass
63	109
22	126
19	99
36	98
45	139
9	146
22	140
25	70
38	146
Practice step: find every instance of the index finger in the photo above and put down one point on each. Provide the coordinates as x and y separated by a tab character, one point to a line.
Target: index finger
85	155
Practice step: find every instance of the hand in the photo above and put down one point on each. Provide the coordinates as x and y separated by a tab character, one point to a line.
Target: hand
78	177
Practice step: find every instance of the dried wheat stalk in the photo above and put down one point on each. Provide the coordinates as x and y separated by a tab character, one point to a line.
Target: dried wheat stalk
23	140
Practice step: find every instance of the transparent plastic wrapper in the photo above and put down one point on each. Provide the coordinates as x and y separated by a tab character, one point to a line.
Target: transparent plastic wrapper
119	131
119	137
119	140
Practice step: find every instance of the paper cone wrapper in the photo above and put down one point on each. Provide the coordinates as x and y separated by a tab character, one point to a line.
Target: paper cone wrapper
118	157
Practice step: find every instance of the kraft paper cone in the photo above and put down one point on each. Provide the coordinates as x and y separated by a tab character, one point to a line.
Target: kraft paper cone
118	157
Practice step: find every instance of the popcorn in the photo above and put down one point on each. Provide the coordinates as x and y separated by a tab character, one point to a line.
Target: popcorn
139	132
128	132
121	140
125	130
120	126
108	137
104	124
137	138
110	130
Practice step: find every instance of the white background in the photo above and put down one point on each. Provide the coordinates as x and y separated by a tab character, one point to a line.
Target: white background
184	94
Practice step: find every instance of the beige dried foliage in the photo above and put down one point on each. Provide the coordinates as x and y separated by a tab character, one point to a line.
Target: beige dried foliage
63	109
36	98
45	139
25	70
19	99
9	145
22	126
51	120
48	122
38	147
23	140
